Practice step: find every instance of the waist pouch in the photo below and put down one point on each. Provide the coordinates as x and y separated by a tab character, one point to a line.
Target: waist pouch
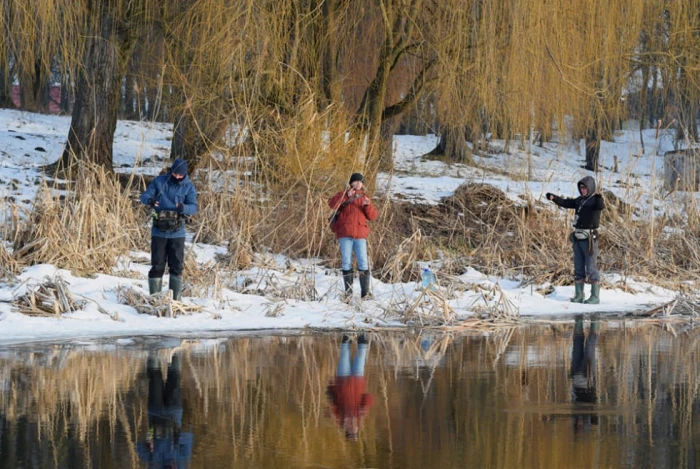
167	220
582	234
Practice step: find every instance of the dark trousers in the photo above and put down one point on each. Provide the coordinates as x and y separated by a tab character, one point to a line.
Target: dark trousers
170	250
586	261
583	365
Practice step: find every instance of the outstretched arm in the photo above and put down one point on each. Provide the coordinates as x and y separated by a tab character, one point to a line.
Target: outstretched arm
562	201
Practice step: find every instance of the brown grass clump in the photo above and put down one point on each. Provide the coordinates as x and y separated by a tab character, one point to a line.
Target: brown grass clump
84	230
480	226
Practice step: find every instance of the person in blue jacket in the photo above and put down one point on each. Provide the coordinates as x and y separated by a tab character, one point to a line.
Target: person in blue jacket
172	197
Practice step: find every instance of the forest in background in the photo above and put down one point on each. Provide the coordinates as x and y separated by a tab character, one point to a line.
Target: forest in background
288	71
277	102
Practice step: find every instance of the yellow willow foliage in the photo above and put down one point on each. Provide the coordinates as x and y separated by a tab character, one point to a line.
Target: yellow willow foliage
501	65
516	61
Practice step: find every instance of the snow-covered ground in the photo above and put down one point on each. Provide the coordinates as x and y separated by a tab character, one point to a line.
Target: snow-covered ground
28	141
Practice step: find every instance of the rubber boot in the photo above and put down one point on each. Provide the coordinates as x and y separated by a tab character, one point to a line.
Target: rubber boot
347	281
364	284
579	296
594	299
176	286
595	324
155	285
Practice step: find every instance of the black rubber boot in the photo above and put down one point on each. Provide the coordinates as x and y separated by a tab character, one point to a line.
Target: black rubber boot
176	286
347	281
364	284
155	285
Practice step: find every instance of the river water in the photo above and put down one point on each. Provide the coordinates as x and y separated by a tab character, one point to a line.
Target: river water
566	395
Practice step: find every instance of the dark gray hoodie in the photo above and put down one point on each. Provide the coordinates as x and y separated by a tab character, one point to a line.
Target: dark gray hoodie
587	208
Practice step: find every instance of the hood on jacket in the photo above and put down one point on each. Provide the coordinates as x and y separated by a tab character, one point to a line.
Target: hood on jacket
589	183
179	167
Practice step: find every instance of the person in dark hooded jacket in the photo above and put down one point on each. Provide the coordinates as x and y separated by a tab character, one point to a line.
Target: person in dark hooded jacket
172	197
588	207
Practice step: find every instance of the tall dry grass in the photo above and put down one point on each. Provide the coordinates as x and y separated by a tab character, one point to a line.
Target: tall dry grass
92	222
83	224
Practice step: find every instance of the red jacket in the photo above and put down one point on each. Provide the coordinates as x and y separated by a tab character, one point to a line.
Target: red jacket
348	397
354	217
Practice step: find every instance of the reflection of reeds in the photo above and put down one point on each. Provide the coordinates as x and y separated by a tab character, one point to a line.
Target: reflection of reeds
501	399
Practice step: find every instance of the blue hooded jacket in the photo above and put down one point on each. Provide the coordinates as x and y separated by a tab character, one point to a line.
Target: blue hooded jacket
169	192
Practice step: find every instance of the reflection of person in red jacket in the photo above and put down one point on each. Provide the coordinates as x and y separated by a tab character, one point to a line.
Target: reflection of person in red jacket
354	211
347	393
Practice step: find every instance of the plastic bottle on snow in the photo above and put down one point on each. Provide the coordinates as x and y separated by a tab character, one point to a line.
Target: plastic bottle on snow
428	278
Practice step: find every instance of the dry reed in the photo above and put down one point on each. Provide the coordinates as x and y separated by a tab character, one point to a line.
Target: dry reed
86	229
49	298
159	304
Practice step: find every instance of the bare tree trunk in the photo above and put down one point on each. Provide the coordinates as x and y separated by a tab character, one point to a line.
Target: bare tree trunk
66	95
98	90
193	139
27	98
130	106
386	155
5	84
453	145
592	147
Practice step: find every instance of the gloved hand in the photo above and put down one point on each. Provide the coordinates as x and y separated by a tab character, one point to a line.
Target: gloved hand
550	196
180	208
153	203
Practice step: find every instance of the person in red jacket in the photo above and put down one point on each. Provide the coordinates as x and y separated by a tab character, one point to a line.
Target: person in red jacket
354	210
346	392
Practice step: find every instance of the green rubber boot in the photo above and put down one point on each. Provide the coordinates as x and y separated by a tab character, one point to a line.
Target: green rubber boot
176	286
579	296
594	299
155	285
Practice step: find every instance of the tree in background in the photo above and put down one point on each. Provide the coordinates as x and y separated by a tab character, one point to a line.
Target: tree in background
303	83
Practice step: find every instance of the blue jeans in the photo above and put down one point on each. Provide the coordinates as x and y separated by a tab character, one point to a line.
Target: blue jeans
358	365
347	246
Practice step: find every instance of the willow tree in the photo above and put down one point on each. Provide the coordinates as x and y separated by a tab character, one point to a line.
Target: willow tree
109	29
202	43
676	29
29	43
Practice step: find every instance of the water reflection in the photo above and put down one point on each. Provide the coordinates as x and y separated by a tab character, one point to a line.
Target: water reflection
583	373
346	392
166	446
403	401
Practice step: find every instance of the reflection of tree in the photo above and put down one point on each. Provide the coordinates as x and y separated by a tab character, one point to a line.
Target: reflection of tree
260	401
